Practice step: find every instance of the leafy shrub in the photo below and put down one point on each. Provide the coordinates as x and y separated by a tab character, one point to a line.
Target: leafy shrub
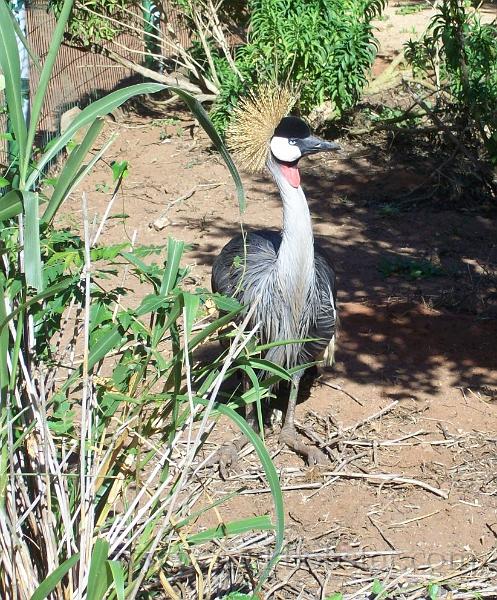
460	52
324	47
86	27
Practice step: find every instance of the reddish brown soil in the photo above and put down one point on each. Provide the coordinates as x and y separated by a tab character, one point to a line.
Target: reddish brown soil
428	345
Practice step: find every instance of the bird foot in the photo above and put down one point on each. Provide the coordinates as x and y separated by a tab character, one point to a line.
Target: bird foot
312	455
227	456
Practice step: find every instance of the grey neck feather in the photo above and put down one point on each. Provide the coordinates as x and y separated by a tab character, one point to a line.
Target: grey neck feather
295	264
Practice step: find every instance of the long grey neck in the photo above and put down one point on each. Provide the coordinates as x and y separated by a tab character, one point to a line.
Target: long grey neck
295	264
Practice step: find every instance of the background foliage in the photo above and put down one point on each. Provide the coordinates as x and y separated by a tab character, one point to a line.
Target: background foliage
325	47
459	54
103	405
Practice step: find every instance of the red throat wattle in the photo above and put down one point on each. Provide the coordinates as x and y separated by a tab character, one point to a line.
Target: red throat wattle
291	173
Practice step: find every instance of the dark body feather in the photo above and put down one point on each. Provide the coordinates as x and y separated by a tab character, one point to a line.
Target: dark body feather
258	277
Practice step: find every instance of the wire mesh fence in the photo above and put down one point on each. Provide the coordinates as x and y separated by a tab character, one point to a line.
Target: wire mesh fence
79	76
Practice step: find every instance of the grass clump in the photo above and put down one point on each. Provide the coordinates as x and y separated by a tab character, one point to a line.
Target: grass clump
104	408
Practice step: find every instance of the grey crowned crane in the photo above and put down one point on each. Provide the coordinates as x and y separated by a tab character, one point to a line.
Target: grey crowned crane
286	275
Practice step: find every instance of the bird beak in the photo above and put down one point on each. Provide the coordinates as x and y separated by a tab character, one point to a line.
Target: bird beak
313	144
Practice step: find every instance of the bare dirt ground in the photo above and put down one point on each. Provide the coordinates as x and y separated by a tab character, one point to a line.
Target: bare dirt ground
409	413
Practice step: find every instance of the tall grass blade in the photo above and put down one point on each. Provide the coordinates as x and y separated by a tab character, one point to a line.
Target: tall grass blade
4	347
274	484
32	251
11	69
99	108
18	31
10	205
117	572
261	523
203	118
70	171
174	252
99	577
41	89
51	582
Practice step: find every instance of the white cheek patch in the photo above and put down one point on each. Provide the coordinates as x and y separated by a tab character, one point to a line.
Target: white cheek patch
283	150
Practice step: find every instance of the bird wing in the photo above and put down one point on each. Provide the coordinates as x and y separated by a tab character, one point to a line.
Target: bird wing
244	263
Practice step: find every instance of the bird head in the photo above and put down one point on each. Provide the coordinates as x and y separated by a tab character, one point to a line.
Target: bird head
292	139
261	132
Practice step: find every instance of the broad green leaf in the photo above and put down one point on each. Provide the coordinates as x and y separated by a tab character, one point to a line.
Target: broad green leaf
51	582
151	303
4	346
32	252
226	304
213	327
11	69
191	303
274	484
267	365
41	88
99	577
10	205
4	182
119	169
262	523
174	253
118	577
203	118
105	344
53	290
96	109
70	172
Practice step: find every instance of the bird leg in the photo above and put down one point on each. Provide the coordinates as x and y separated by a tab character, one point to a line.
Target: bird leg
289	435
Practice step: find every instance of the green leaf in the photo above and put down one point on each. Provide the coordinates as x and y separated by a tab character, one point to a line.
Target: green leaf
105	344
203	118
118	577
119	169
11	69
32	252
212	328
433	590
47	293
4	346
96	109
51	582
99	577
274	484
261	523
41	88
174	252
191	303
376	588
18	31
4	182
226	304
10	205
70	172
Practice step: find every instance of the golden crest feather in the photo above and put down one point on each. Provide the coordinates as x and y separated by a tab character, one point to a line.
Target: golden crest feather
254	121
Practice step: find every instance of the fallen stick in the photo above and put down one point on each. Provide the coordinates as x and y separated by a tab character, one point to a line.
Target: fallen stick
382	478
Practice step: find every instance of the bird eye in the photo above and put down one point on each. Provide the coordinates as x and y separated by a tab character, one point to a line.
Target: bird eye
292	141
